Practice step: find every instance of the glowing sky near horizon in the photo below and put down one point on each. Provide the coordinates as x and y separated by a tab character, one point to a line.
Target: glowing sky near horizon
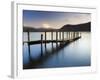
49	19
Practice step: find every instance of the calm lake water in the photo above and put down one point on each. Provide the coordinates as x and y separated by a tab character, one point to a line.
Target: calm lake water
75	54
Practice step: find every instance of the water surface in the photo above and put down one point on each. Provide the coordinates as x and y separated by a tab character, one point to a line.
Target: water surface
74	54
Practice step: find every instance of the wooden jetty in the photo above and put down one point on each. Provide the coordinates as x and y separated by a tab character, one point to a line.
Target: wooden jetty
60	38
48	41
69	37
63	38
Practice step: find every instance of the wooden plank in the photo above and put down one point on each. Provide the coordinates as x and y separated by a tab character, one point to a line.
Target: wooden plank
48	41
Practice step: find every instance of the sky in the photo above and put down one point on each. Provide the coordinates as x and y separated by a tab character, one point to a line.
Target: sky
50	19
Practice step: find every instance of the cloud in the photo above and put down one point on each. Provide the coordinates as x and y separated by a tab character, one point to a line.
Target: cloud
54	19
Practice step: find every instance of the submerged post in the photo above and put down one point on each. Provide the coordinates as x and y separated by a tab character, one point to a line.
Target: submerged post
62	36
72	35
78	34
52	35
28	35
45	39
41	44
56	39
69	35
56	36
52	38
45	36
75	34
66	36
59	35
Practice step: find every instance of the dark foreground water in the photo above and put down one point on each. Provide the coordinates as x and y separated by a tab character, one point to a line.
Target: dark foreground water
75	54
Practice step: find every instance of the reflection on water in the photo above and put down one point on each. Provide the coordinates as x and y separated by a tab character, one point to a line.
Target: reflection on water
76	53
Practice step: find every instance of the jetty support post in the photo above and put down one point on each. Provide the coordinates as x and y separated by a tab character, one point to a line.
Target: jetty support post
28	36
59	35
52	37
66	35
63	37
56	38
45	39
69	35
78	34
72	35
41	44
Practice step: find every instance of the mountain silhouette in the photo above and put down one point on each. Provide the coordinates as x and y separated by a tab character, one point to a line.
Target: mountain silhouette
68	27
31	29
78	27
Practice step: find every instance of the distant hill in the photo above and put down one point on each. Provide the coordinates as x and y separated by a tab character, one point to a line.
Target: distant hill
31	29
78	27
25	29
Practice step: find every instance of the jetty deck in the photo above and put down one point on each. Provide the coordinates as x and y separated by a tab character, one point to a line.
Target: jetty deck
49	41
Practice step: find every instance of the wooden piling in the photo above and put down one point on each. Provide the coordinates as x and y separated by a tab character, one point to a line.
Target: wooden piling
69	35
56	39
72	35
56	36
41	44
45	39
75	34
28	35
62	36
59	35
66	36
45	36
52	37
